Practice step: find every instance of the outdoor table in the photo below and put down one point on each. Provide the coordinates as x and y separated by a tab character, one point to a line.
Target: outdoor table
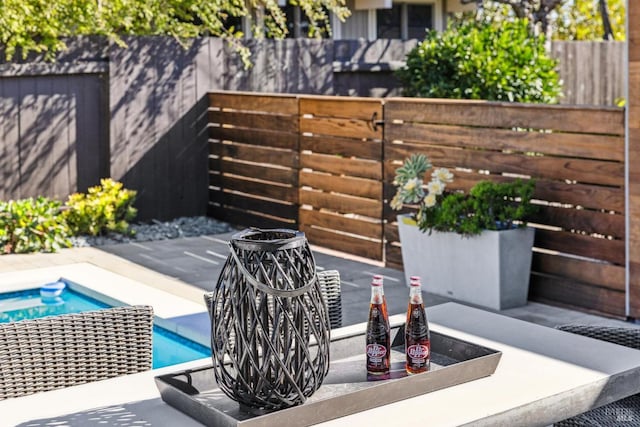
544	375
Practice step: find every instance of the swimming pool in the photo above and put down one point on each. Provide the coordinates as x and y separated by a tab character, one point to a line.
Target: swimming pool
168	348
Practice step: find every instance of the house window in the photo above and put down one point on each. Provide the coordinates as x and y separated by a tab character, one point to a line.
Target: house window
389	22
404	21
419	20
297	22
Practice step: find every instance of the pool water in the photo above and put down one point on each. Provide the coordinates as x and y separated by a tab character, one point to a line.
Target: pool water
168	348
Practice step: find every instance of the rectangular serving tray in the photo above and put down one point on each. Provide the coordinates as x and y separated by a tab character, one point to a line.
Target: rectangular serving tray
344	391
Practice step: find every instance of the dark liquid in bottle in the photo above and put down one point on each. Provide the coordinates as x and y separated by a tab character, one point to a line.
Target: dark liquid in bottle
418	347
378	348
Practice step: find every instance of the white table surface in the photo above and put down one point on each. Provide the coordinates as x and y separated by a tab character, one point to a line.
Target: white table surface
544	375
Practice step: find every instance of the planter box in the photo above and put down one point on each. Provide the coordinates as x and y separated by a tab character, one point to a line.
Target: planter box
490	270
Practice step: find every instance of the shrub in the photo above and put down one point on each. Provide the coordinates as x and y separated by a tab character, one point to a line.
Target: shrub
482	60
32	225
487	206
107	207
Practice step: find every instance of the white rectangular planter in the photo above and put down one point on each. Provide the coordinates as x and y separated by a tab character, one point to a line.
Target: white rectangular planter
491	269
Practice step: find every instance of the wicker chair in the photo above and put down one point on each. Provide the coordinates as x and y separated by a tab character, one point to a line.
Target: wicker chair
622	412
60	351
330	287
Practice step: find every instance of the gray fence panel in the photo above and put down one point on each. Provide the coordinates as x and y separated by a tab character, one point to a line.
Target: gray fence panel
592	72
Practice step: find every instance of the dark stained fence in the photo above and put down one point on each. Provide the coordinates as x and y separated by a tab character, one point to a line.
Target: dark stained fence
633	204
158	104
341	174
53	133
576	156
139	114
253	159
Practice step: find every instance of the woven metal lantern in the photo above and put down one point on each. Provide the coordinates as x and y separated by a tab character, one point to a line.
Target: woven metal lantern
269	322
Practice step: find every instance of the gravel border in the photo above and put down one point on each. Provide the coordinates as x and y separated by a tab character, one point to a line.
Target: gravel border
159	230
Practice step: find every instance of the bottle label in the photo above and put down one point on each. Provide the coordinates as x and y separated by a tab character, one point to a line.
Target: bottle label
376	352
418	352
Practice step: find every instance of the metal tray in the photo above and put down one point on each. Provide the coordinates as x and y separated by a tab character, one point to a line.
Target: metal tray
344	391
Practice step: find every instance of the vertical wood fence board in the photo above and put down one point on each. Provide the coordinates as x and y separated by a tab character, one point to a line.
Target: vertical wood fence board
156	145
10	142
592	72
633	129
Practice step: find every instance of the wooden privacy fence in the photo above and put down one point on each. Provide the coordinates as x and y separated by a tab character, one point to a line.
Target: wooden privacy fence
325	165
576	156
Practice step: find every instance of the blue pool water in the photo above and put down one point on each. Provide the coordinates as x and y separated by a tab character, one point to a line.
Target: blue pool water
168	347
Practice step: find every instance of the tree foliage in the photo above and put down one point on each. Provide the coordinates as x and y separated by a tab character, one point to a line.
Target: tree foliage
539	13
40	25
482	60
557	19
583	20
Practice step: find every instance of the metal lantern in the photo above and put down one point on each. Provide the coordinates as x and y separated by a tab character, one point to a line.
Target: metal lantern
269	322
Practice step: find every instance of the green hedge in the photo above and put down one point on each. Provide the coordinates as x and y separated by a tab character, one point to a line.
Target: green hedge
480	60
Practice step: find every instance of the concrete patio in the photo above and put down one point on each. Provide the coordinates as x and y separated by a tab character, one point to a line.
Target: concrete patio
188	267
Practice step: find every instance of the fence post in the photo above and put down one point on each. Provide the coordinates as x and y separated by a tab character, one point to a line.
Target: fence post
633	160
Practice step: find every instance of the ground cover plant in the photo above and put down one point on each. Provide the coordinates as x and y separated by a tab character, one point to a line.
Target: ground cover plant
44	225
487	206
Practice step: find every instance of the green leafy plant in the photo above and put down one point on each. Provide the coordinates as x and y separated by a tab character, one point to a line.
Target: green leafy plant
41	25
487	206
32	225
482	60
107	207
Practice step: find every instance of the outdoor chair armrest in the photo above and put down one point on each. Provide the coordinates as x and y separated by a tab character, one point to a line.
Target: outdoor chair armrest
70	349
628	337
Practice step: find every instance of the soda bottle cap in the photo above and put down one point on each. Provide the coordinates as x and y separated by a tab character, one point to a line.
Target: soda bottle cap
412	278
377	277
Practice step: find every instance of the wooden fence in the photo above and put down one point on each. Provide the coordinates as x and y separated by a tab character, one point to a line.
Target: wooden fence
341	174
136	114
326	164
633	139
254	159
576	156
592	72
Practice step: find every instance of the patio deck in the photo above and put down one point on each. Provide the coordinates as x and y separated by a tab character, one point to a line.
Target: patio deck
188	267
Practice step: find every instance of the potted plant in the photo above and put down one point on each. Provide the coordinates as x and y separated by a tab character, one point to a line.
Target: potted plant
474	247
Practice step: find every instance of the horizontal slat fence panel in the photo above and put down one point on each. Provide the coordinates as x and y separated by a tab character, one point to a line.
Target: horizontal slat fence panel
254	143
605	147
341	174
325	165
582	119
575	154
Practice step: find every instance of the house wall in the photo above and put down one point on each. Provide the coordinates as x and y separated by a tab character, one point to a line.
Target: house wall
363	22
356	26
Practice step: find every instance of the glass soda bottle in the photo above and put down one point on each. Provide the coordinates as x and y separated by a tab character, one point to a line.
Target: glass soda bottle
416	339
378	349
